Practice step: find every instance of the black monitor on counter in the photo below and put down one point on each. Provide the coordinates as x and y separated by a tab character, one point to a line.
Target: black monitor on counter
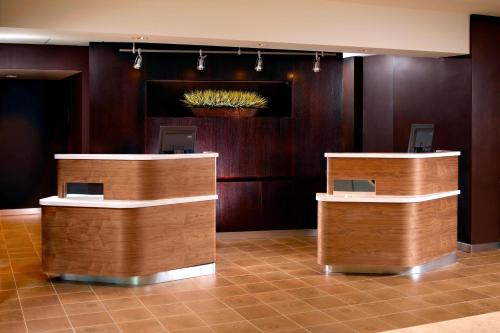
177	139
421	138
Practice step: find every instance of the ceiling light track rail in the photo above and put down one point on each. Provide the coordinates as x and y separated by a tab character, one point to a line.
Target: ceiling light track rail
236	52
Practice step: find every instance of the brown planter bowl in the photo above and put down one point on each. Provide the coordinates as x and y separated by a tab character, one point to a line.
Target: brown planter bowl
225	112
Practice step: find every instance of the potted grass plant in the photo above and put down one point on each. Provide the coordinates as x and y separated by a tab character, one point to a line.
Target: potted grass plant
224	103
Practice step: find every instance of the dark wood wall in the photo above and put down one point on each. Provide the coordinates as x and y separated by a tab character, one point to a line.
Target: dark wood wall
485	55
461	97
269	167
52	57
38	119
400	91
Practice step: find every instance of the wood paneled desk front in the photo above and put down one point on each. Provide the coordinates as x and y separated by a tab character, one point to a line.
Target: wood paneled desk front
404	220
154	221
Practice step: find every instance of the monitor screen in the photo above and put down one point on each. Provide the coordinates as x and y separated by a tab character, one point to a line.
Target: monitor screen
177	139
421	138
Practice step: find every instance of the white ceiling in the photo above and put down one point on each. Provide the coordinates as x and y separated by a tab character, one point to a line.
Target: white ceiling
482	7
403	27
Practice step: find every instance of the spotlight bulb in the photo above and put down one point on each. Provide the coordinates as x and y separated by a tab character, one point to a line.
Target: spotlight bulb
259	64
316	64
138	60
201	61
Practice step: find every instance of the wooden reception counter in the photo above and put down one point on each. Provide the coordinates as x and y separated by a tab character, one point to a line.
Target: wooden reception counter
404	221
153	222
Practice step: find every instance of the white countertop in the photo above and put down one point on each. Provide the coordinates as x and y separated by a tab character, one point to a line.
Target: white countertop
383	198
97	201
133	157
394	155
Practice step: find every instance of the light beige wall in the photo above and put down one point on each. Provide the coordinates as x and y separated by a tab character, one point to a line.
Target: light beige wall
295	24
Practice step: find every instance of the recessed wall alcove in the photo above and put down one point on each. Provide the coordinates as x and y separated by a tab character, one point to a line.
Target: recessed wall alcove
163	97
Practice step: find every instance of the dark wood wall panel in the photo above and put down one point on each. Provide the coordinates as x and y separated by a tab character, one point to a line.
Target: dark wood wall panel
256	205
352	104
116	101
254	147
317	113
437	91
378	103
400	91
55	57
485	52
39	118
269	167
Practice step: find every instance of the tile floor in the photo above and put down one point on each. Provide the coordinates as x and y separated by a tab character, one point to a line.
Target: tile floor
261	285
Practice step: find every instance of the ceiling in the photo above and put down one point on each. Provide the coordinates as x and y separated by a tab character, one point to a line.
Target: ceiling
35	74
433	28
482	7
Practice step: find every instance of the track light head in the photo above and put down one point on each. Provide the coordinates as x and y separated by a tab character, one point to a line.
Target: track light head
259	63
138	60
316	63
201	61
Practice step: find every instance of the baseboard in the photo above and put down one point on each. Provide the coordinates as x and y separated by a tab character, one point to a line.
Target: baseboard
469	248
267	234
21	211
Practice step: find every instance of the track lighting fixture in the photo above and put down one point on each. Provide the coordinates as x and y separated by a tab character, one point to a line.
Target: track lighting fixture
316	63
138	59
201	61
259	64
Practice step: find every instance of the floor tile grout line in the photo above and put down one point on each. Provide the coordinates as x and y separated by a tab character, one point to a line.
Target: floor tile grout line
152	314
105	309
15	283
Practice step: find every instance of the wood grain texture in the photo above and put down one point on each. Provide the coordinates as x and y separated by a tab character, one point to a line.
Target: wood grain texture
400	91
405	176
142	180
485	151
382	234
127	242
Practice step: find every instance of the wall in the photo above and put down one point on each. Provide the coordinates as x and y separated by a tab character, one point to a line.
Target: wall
39	119
485	54
269	167
400	91
33	127
293	24
44	57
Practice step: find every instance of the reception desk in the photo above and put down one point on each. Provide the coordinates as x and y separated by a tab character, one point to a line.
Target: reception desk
403	221
153	222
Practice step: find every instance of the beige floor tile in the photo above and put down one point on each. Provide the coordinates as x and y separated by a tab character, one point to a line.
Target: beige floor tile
239	301
107	328
84	307
366	326
331	328
181	322
90	319
165	310
51	324
122	303
206	305
275	324
292	306
257	311
13	327
121	316
346	313
142	326
312	318
44	312
236	327
11	315
220	316
30	302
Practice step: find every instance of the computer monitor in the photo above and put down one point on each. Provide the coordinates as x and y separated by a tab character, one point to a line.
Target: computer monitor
421	138
177	139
